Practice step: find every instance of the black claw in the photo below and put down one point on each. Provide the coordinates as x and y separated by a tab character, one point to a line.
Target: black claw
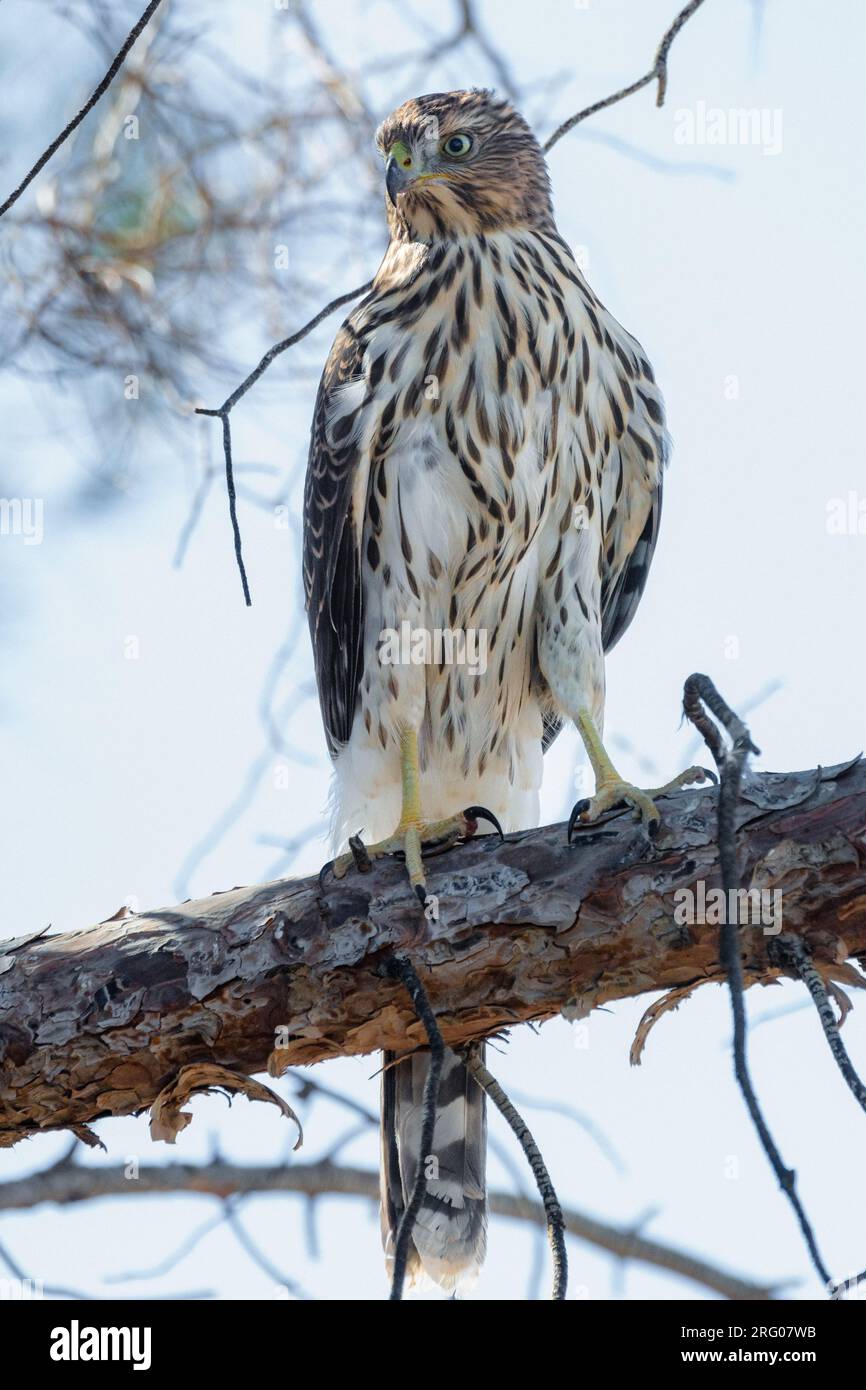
359	854
577	811
421	894
710	775
652	828
476	813
323	871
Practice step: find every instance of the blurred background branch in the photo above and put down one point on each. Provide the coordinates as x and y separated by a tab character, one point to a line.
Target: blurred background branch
69	1182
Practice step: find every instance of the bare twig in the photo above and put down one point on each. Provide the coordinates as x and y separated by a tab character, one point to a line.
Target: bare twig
471	28
657	73
88	105
169	1262
400	968
700	691
793	952
228	1216
307	1087
223	411
344	93
258	1256
837	1290
550	1201
66	1294
568	1112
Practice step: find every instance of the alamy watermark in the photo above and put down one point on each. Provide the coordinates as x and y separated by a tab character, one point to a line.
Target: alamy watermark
437	646
846	516
713	125
77	1343
755	907
19	1290
22	516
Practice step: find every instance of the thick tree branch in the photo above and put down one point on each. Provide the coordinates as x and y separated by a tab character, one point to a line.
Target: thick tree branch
68	1182
99	1022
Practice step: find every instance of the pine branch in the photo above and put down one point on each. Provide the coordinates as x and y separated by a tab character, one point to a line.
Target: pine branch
99	1022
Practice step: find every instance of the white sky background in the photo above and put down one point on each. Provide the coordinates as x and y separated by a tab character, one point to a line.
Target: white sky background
728	263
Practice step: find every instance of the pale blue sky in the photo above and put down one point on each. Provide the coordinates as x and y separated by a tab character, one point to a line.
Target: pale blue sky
740	271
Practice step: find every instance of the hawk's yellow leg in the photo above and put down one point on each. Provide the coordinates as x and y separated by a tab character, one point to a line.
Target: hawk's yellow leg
414	834
612	790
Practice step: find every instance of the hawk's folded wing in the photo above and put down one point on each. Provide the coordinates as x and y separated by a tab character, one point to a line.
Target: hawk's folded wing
621	592
332	562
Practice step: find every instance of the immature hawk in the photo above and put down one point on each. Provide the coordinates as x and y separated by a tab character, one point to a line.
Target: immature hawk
486	458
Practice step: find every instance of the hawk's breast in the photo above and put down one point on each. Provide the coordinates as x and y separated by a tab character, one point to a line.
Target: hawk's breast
494	389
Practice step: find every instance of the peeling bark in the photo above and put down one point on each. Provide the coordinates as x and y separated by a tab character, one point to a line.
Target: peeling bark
99	1022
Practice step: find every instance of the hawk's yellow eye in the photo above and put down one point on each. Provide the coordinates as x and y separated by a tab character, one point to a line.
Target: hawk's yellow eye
456	146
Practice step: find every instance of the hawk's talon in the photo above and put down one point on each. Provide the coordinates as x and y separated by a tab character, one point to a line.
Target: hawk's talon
684	779
360	854
411	842
613	793
474	814
577	811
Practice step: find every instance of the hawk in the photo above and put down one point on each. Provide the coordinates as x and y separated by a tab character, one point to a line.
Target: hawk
486	457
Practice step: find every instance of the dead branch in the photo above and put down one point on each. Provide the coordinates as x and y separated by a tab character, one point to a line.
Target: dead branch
68	1182
546	1191
116	64
793	951
223	412
99	1022
657	73
398	968
699	696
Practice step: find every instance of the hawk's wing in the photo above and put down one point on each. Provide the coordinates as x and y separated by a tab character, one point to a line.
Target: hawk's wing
624	577
332	563
621	592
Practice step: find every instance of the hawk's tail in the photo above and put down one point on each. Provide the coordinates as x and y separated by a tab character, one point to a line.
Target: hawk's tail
450	1234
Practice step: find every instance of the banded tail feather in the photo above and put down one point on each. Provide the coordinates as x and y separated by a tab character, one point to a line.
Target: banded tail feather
450	1235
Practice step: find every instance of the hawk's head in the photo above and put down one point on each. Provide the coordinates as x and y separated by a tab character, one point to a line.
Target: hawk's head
460	163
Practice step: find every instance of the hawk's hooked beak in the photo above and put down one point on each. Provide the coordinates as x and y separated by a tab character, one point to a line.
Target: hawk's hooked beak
400	171
393	179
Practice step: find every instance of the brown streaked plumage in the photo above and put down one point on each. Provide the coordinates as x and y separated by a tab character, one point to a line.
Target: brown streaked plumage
506	182
487	454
